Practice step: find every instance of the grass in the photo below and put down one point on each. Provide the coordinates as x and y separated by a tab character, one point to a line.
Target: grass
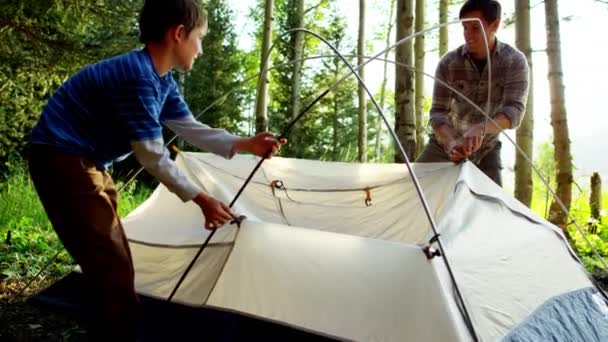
27	240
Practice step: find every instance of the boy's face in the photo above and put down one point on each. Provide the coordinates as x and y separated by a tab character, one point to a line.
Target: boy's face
189	47
473	34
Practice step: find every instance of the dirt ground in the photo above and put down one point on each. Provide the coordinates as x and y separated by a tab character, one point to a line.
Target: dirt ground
21	321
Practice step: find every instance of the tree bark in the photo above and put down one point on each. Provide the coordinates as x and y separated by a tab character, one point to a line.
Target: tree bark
443	31
525	132
405	120
561	140
595	199
261	117
362	156
297	46
419	64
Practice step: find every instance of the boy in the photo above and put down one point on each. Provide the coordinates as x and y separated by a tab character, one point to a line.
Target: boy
459	128
102	114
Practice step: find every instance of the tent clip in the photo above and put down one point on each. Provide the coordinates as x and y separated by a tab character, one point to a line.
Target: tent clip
429	250
238	220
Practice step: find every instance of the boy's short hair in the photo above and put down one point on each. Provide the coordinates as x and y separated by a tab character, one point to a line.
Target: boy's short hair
157	16
490	9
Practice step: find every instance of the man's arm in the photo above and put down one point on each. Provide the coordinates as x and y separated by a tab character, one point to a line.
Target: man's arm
515	94
439	120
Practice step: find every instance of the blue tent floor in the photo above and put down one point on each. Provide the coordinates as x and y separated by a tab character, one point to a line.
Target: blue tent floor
167	321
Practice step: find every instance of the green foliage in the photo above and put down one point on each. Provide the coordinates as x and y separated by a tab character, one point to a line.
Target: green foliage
545	163
43	42
33	242
596	232
218	71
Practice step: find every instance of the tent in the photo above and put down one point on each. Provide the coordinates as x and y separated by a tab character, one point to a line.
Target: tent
335	251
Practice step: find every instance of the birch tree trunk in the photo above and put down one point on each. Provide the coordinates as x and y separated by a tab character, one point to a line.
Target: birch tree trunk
561	140
295	19
443	31
261	117
362	156
380	126
525	132
419	64
405	119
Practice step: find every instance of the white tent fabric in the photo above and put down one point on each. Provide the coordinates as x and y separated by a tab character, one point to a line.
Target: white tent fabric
311	254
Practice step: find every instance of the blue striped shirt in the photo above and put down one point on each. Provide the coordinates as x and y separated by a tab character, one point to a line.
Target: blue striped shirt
105	106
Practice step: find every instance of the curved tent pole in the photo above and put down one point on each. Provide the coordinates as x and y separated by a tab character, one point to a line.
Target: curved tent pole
401	150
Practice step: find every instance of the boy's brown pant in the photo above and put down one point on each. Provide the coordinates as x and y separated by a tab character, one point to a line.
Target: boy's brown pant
81	203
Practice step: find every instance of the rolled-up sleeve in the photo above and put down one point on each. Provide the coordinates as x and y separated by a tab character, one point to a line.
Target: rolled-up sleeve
442	97
214	140
516	90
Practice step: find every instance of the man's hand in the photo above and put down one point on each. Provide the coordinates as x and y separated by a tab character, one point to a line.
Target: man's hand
452	144
260	144
473	138
455	151
216	213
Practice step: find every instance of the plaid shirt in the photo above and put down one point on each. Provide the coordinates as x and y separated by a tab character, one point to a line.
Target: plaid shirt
509	91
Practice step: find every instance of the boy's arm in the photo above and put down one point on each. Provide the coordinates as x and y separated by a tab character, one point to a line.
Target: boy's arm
154	157
214	140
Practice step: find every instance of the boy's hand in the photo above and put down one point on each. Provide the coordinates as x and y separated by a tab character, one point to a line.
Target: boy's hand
260	144
216	213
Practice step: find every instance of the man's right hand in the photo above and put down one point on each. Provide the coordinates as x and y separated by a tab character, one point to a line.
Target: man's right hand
216	213
452	144
456	151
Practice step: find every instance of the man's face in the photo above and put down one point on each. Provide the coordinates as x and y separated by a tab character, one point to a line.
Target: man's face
473	33
189	47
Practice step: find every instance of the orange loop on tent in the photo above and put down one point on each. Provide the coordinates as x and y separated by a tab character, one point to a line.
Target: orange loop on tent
368	197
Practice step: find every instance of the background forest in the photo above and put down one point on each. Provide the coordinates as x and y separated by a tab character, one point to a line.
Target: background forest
44	42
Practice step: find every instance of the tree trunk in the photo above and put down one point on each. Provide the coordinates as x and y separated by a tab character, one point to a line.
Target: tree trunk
261	118
561	141
405	119
419	64
295	19
362	156
525	132
595	199
379	128
443	31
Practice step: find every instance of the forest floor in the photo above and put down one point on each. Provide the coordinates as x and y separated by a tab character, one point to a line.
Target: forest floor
21	321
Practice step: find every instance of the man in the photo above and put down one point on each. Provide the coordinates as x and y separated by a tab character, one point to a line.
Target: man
103	113
459	130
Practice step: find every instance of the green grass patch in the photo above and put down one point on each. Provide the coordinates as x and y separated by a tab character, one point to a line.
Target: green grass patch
27	240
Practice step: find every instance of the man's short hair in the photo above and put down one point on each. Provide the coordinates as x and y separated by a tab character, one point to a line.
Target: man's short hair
157	16
490	9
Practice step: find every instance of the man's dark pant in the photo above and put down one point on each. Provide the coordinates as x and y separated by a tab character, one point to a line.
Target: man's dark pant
80	202
490	164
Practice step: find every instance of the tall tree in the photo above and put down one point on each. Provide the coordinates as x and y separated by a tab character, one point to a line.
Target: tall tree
561	140
405	119
419	64
525	133
44	42
219	70
336	114
443	31
362	156
296	20
261	117
379	123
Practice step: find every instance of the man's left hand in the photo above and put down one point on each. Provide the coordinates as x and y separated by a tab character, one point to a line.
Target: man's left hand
473	138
